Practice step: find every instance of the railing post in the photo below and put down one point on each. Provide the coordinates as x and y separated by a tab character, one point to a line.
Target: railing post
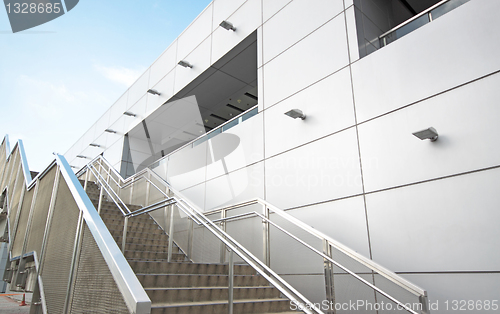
266	238
223	214
148	186
424	300
86	180
190	239
328	269
171	233
124	237
230	283
131	191
74	264
101	195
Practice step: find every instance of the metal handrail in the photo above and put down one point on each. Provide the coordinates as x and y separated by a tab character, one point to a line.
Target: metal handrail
230	243
413	289
413	18
205	134
324	256
108	188
128	284
266	272
400	281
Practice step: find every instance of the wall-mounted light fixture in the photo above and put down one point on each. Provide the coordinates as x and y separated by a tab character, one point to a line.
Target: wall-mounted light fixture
185	64
427	134
110	131
74	167
152	92
227	25
94	145
296	113
81	156
130	114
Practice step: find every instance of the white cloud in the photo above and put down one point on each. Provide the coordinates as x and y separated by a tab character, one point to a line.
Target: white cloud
120	75
50	115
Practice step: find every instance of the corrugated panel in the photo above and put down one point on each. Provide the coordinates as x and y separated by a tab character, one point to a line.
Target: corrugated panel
17	245
37	228
59	253
8	168
3	160
13	175
95	289
16	196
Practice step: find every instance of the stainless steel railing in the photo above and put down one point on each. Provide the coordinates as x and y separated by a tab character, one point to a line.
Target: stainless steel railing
366	272
192	215
419	20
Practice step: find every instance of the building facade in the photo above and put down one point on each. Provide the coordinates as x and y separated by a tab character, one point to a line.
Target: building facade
214	127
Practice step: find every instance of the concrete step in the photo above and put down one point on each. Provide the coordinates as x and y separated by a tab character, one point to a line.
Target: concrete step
138	227
199	280
217	307
143	235
118	217
143	224
149	255
150	247
153	267
143	241
196	294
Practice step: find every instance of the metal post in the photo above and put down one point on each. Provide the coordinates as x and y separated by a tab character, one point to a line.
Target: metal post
166	218
124	238
107	182
101	195
190	239
74	264
424	300
266	238
86	180
328	269
223	214
171	233
148	185
230	283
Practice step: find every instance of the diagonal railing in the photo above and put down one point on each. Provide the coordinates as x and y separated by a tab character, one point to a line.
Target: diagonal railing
56	234
419	20
183	210
331	255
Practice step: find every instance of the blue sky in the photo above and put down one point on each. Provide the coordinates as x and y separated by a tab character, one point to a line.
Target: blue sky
58	78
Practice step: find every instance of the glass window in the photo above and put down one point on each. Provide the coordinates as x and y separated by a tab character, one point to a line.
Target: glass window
446	7
250	114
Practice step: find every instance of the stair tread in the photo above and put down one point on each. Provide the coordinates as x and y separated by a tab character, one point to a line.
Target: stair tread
214	275
199	303
143	231
207	288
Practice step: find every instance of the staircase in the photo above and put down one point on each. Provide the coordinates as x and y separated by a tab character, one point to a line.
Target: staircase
182	286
